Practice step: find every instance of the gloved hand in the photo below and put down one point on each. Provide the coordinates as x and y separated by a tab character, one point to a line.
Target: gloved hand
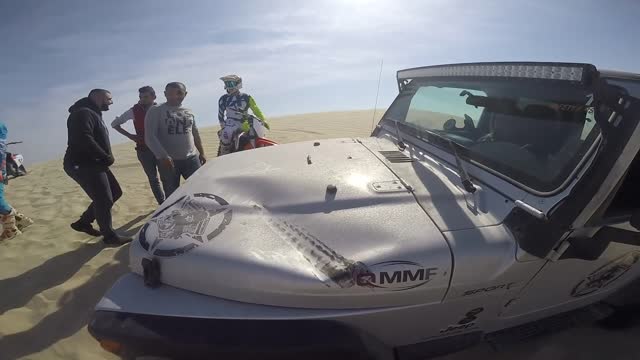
245	126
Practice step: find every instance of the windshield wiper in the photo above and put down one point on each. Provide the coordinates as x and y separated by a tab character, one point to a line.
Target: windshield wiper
464	176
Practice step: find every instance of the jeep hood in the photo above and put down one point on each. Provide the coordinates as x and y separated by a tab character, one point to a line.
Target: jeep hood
313	224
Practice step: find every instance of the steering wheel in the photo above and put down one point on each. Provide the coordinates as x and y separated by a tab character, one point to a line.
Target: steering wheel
486	138
450	125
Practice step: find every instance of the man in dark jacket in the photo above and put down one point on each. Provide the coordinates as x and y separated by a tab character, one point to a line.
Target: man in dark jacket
87	161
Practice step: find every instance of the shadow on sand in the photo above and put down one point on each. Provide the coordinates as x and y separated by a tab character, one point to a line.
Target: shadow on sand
75	305
54	271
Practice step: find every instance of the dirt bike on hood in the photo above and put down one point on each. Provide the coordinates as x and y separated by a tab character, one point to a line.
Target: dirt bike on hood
252	139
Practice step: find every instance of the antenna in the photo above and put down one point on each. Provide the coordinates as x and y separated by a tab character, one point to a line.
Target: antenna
375	107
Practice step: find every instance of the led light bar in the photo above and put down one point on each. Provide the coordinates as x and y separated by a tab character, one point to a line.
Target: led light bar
547	71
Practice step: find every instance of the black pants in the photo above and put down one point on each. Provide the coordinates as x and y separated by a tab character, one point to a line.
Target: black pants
103	189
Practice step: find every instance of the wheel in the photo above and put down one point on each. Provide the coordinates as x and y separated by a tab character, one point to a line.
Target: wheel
11	170
623	317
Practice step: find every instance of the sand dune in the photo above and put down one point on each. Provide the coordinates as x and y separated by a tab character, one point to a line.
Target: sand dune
51	277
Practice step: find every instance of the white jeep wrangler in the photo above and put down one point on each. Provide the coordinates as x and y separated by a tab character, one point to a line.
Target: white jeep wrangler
493	201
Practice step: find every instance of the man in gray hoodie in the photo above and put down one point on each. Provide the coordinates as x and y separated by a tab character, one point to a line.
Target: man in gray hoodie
171	133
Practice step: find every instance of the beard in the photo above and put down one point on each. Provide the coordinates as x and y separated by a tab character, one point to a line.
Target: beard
104	107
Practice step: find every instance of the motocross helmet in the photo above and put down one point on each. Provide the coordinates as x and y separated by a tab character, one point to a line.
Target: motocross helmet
232	83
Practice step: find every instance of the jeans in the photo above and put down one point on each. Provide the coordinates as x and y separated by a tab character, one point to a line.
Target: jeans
184	168
103	189
5	208
150	165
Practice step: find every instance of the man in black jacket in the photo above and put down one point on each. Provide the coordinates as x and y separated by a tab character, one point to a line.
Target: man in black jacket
87	161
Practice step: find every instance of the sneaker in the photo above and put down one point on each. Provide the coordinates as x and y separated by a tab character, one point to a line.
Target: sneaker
85	228
116	240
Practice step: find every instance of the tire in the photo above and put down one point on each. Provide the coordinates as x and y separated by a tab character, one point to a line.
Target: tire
623	317
11	171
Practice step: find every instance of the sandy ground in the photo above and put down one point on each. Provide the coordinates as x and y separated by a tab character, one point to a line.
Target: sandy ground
51	277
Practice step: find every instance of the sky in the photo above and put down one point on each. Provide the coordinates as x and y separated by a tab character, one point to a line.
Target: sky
294	56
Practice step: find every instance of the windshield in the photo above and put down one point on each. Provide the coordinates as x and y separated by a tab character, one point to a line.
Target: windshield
532	132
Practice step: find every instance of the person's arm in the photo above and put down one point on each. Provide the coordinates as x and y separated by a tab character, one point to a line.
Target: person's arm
257	112
255	109
198	142
81	127
221	110
151	126
3	161
3	153
119	120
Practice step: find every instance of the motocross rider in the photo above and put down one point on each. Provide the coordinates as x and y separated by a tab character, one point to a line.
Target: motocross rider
236	105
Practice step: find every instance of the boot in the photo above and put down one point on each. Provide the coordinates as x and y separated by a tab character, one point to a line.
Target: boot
86	228
22	222
9	228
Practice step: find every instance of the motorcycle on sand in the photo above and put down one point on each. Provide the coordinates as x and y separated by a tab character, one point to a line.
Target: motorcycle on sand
15	163
252	139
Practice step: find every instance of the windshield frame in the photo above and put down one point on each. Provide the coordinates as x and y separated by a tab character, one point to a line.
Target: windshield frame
565	176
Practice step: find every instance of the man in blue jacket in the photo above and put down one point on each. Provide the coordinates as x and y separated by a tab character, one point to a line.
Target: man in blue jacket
87	161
